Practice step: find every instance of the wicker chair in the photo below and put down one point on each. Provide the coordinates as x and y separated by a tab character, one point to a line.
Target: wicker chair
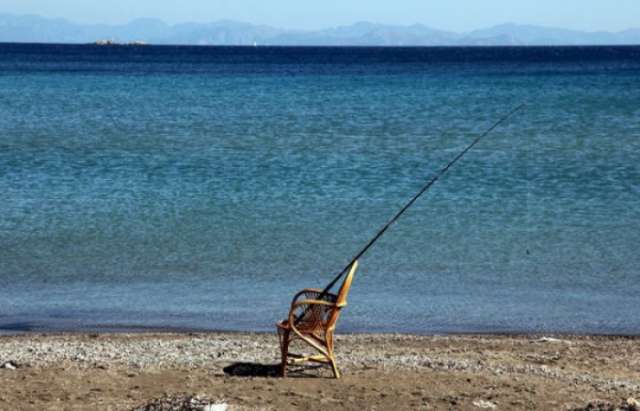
313	321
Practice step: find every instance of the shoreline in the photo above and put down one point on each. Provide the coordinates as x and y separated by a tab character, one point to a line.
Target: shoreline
153	330
382	371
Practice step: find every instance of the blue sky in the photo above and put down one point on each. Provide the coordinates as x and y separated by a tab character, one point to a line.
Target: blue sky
456	15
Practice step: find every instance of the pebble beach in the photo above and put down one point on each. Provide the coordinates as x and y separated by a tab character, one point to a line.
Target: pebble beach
383	371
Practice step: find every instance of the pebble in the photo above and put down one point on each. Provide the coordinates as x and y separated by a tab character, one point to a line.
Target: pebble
184	403
9	365
549	340
487	405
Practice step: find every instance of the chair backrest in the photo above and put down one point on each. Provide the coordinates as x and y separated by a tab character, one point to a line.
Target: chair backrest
341	301
346	285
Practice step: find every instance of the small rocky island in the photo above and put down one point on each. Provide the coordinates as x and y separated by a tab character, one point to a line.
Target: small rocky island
104	42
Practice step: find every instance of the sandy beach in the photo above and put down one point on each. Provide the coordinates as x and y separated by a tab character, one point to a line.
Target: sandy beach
125	371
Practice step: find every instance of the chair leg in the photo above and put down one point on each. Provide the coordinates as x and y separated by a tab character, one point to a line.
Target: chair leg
331	356
334	367
284	348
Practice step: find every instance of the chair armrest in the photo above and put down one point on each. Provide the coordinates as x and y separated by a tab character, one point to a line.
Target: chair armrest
313	302
310	291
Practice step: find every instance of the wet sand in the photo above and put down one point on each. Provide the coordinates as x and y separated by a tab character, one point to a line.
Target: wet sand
381	372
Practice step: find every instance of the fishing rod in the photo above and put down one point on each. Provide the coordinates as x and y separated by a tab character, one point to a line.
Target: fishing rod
426	187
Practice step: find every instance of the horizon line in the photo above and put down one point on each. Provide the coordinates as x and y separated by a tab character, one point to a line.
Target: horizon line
478	46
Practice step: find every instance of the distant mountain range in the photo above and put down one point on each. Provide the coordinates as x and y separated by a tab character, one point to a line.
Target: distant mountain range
36	29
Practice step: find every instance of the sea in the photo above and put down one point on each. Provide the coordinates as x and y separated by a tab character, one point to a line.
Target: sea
198	188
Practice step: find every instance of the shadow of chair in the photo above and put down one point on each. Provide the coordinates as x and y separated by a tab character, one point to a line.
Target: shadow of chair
250	370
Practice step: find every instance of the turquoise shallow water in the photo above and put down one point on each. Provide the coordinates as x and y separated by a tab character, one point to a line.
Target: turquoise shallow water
201	187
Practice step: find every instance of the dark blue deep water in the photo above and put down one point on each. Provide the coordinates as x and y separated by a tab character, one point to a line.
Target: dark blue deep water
200	187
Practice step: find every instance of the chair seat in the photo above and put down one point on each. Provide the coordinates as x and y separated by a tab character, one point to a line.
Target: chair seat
304	328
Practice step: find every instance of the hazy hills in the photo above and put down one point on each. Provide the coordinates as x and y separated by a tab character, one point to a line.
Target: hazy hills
31	28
